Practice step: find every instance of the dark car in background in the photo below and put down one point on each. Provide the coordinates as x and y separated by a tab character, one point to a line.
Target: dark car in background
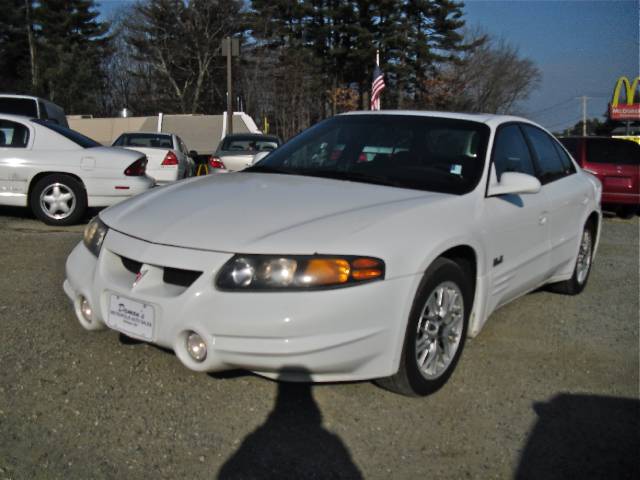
32	107
237	151
616	162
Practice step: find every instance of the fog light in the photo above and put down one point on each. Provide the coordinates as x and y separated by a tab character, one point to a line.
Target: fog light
85	309
196	347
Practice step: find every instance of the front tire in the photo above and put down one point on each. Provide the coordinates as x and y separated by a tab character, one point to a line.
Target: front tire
582	268
58	199
436	331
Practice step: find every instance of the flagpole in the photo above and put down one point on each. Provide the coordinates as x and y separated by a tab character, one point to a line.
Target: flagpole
377	58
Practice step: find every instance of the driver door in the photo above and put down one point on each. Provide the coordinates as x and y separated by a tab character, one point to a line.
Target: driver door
516	234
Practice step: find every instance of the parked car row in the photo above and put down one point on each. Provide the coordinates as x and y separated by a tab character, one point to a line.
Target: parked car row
59	173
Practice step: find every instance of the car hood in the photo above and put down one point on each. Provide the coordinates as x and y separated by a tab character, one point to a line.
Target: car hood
260	212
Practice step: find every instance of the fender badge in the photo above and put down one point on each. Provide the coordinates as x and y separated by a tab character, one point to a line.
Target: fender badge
139	276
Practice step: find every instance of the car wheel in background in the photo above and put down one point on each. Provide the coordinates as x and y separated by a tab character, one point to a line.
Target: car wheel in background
436	331
582	268
58	199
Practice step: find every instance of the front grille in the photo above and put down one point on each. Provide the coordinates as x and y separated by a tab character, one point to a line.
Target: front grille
180	277
131	265
173	276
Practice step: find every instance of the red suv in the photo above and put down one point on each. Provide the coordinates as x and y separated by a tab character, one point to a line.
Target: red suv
616	162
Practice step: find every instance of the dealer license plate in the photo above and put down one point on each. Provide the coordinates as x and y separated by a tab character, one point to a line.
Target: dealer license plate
131	317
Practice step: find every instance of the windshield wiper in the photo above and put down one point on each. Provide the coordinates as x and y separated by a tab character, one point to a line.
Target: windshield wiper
353	176
266	169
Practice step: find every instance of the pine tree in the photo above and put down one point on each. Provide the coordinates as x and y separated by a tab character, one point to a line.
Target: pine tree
14	47
71	47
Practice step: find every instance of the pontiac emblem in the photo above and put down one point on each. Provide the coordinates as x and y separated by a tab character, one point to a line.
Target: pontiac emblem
139	276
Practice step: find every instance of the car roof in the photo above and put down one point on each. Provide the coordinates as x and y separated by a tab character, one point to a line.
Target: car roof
251	135
14	95
597	137
147	133
486	118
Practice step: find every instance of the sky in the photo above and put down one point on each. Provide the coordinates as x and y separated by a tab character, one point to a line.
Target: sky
580	46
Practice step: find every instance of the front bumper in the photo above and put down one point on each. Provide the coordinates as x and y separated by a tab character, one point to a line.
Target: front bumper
352	333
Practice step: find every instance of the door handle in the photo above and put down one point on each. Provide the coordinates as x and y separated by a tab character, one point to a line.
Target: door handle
542	219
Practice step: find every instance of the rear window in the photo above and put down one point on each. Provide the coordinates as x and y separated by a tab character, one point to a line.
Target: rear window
144	140
75	137
19	106
605	150
250	144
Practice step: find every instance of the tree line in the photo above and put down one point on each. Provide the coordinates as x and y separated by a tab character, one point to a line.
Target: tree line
301	61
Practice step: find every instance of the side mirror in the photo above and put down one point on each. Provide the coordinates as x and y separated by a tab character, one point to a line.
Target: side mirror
514	183
259	156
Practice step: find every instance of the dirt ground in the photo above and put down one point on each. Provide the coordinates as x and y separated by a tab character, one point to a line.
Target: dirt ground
550	389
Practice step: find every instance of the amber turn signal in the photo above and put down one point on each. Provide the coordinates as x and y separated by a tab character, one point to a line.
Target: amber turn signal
366	269
326	271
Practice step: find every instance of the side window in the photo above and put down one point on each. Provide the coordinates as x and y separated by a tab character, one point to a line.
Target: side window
571	144
567	164
550	166
119	142
44	115
510	152
13	135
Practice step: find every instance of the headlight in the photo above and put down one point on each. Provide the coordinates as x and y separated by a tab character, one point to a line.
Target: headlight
297	272
94	235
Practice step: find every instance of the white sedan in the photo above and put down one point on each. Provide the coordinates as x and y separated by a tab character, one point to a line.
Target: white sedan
368	247
168	156
58	172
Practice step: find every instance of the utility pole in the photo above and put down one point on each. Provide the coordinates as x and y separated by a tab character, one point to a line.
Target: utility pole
584	99
230	47
229	92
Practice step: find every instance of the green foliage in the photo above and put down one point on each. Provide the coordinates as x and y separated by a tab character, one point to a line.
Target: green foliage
14	48
72	44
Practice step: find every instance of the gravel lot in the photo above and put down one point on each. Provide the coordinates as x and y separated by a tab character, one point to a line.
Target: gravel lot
548	390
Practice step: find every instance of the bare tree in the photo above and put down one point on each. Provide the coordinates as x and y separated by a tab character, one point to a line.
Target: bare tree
179	41
491	78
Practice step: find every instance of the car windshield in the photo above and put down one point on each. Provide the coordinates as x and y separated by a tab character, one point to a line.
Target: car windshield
418	152
75	137
144	140
249	144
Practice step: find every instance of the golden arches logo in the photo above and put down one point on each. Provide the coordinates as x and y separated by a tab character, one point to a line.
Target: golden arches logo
627	110
630	90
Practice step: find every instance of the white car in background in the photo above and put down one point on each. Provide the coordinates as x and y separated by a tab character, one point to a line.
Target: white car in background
368	247
169	158
58	172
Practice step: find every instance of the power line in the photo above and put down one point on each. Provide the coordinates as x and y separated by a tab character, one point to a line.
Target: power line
552	107
573	122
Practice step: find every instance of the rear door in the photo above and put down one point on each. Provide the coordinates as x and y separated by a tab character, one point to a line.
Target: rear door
567	193
617	164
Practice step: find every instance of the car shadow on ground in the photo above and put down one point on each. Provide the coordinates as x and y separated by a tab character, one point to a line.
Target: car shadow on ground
27	214
583	436
292	442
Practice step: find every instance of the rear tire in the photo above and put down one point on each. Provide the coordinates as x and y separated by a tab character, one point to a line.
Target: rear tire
58	199
582	268
436	331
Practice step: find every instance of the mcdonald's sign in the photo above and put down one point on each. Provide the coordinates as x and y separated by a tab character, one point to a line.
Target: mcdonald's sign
628	110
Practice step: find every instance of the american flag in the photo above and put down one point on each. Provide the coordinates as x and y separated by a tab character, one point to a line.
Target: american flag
376	88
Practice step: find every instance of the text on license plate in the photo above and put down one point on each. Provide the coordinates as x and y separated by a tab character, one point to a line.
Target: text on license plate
131	317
